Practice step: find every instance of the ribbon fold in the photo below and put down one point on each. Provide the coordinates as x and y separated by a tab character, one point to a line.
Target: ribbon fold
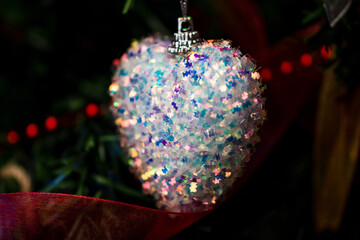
63	216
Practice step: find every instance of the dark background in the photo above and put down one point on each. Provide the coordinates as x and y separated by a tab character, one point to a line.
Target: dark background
56	57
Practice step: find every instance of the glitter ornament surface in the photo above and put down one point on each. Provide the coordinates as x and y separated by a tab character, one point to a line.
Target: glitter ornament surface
188	122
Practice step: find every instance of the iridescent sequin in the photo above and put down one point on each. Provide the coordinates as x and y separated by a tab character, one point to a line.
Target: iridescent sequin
188	122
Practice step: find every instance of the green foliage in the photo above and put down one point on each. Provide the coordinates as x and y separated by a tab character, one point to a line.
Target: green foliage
83	159
127	6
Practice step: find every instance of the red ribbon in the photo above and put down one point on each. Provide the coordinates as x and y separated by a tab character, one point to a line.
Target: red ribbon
62	216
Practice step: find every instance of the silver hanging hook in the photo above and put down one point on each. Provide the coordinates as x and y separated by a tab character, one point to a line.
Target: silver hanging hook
183	4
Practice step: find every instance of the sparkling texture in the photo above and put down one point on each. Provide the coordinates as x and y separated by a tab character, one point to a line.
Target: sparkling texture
188	122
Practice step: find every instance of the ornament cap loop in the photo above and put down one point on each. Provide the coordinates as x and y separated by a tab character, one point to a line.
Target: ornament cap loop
185	38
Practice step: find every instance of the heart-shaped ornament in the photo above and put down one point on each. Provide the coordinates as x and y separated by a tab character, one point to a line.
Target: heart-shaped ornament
188	122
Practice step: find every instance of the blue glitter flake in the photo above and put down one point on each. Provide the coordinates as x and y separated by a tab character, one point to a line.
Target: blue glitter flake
236	109
206	135
123	72
174	105
161	141
156	109
188	65
196	114
134	80
211	95
227	61
231	84
204	158
195	77
201	57
218	116
167	119
247	104
187	73
206	125
230	139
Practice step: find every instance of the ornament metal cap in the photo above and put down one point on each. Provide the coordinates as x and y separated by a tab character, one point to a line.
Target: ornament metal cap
185	38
